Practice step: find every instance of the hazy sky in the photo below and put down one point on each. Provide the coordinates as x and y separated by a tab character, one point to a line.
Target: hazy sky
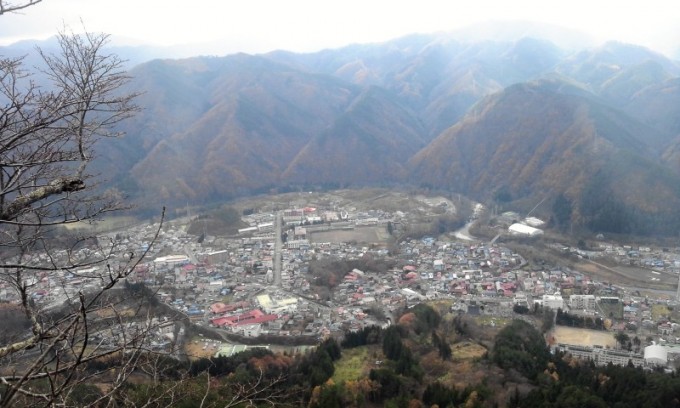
307	25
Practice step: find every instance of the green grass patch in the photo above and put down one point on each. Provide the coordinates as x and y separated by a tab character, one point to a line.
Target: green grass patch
467	351
354	364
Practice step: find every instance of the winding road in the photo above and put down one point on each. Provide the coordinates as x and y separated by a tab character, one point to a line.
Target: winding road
464	233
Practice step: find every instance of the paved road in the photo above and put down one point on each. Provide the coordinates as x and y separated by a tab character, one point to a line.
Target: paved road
277	249
464	233
190	254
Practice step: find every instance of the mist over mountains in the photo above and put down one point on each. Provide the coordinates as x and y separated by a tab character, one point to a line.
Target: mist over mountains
597	128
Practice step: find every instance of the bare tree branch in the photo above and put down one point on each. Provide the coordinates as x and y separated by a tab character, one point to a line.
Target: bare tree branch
55	187
12	7
259	392
48	133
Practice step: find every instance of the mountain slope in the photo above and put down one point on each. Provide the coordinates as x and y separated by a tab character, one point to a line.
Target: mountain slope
436	76
260	116
538	143
598	66
659	106
368	144
599	126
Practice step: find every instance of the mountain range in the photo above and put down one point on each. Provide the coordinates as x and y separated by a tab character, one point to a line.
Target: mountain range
597	128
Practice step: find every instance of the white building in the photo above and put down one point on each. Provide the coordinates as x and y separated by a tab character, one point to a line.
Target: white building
216	256
172	260
602	356
656	355
265	226
300	232
251	330
553	301
583	302
521	299
247	230
525	230
533	222
297	243
277	306
412	294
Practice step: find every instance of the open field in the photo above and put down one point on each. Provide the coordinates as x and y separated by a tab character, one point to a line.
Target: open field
354	364
467	351
195	350
362	234
583	337
229	350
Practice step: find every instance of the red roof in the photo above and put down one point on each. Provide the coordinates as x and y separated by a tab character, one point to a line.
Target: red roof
251	317
261	319
220	321
220	307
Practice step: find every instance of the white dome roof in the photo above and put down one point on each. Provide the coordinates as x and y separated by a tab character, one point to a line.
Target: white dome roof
656	353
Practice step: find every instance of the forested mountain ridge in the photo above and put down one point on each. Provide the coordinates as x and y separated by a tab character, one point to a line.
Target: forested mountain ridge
530	139
258	116
427	110
375	138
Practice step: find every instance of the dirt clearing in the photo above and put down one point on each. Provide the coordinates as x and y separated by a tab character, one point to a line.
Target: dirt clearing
363	234
583	337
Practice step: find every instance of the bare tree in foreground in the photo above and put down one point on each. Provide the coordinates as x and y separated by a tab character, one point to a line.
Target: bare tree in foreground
69	337
47	136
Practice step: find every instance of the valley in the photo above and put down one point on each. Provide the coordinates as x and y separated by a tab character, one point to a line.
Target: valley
425	221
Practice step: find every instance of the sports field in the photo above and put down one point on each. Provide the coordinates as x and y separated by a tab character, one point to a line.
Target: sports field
231	349
362	234
583	337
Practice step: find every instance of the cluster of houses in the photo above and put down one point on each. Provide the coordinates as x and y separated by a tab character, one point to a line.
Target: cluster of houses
227	283
661	259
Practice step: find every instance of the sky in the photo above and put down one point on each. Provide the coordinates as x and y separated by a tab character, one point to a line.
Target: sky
256	26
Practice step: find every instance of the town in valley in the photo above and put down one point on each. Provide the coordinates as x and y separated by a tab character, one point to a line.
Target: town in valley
303	267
